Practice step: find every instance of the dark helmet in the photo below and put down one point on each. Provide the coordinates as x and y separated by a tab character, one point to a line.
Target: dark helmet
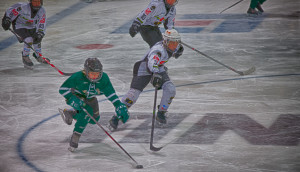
36	4
170	3
93	65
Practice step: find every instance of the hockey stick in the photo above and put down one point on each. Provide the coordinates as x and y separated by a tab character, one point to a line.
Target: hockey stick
153	148
231	6
137	165
19	38
242	73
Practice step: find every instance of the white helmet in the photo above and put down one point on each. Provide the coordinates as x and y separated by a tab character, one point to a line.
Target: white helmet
171	39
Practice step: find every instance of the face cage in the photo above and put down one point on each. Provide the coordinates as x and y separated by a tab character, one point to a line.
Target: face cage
166	44
93	80
169	6
36	7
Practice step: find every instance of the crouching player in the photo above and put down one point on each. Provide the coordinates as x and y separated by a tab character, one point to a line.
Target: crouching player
80	91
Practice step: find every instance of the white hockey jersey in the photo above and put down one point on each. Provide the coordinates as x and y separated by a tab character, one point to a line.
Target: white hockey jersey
22	15
156	13
153	61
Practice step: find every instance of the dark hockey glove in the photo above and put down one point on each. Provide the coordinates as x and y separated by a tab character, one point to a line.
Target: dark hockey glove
6	22
156	80
75	102
122	112
179	52
134	29
37	37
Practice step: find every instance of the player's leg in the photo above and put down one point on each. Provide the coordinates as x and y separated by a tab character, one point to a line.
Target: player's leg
169	92
25	35
251	10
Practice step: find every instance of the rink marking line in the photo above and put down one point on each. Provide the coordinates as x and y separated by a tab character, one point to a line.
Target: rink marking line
21	140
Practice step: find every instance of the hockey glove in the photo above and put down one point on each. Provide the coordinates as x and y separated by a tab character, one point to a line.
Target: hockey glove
37	37
134	29
6	22
122	112
156	80
76	103
179	52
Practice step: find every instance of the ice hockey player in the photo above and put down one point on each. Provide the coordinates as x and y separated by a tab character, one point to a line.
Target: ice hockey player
255	4
80	91
147	22
29	22
151	68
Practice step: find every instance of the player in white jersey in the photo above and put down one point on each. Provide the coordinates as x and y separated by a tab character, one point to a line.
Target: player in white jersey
151	68
29	22
147	22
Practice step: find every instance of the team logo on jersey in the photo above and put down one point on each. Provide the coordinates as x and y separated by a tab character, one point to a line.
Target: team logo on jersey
148	11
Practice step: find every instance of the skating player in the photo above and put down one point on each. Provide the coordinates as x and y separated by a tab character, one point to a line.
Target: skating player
147	22
151	68
80	91
29	22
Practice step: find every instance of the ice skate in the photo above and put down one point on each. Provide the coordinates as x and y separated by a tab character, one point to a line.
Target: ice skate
27	62
161	117
74	141
113	123
40	59
67	115
259	8
252	12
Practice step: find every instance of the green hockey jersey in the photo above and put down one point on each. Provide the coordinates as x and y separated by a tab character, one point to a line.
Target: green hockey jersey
79	85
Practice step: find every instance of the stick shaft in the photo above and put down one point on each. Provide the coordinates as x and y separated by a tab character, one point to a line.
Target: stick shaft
19	37
228	67
231	6
108	134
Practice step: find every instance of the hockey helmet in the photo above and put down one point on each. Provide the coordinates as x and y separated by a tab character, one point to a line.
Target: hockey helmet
170	3
171	40
93	69
36	4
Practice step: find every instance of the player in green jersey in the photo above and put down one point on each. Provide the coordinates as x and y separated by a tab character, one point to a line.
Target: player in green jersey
80	91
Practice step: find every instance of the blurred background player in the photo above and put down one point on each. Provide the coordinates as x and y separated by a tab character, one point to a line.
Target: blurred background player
151	68
147	22
255	4
80	91
29	22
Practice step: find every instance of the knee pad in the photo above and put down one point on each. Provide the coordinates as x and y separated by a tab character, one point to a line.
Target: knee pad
169	89
131	97
26	49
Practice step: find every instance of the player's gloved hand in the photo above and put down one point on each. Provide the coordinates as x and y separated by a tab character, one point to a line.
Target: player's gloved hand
37	37
179	52
6	22
122	112
156	80
75	102
134	29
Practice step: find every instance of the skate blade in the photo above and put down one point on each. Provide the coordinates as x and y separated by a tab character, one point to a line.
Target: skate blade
110	128
61	112
71	149
28	67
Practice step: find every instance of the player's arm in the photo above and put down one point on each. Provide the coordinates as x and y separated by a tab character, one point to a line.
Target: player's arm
11	14
141	18
170	21
67	90
40	27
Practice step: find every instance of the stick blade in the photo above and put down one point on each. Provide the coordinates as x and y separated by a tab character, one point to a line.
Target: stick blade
155	149
247	72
